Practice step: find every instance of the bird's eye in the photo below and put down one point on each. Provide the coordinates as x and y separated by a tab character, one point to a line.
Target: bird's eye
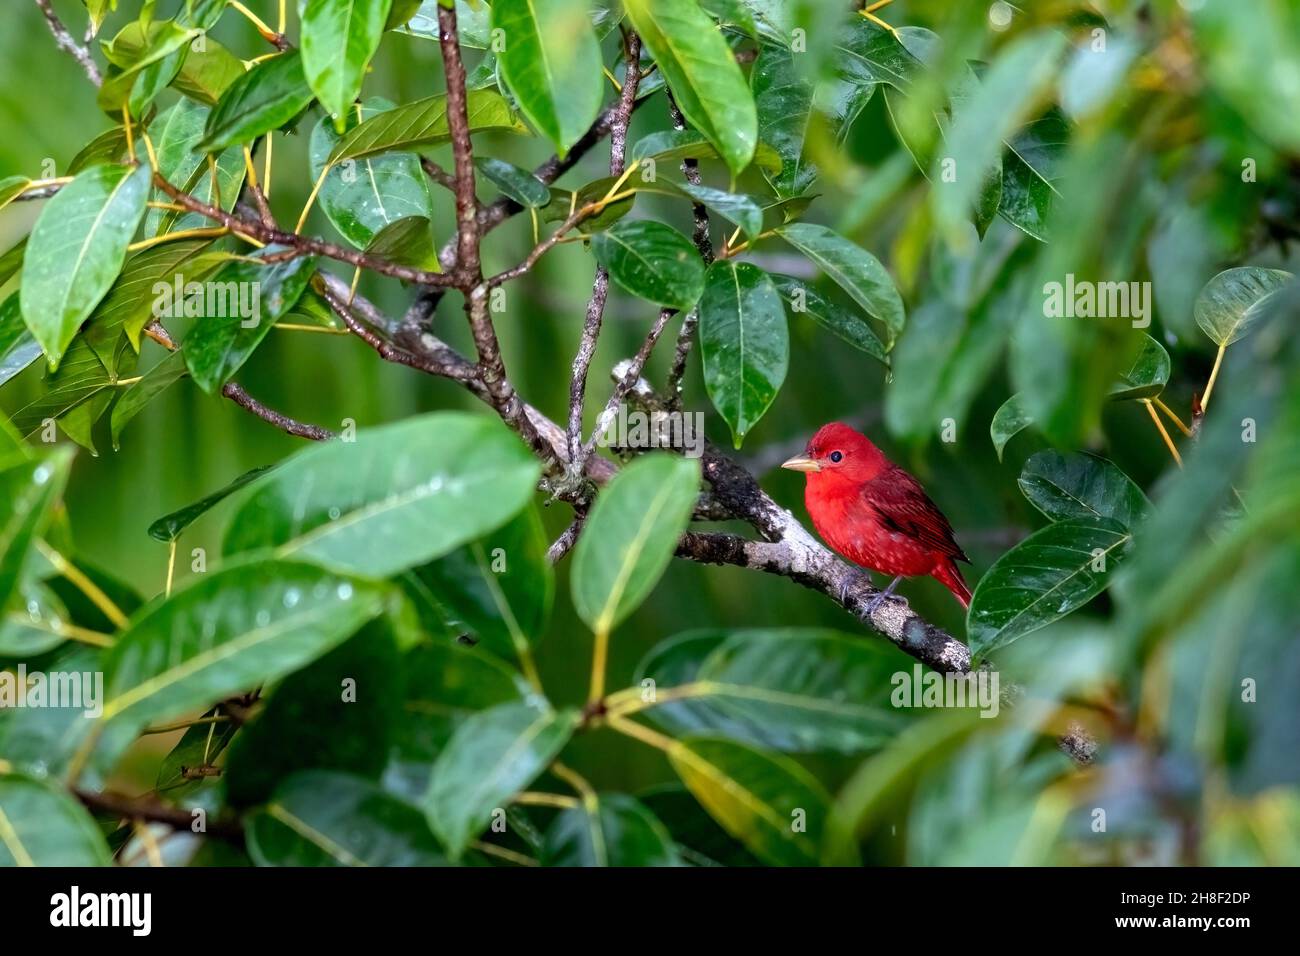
836	456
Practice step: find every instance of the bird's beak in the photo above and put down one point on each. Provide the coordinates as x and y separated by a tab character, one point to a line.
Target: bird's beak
802	463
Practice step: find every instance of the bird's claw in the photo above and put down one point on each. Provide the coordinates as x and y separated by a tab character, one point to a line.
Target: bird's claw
881	597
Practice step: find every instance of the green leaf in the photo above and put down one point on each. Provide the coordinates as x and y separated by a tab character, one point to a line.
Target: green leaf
18	347
42	826
423	123
854	270
673	146
868	54
653	261
363	196
1093	77
1008	93
81	378
630	537
98	10
176	134
322	818
887	779
492	756
444	685
471	22
227	631
168	371
134	299
108	147
1080	485
37	622
519	184
798	690
11	187
742	210
497	590
146	70
550	60
198	749
243	301
338	40
1043	578
398	496
609	830
224	193
12	446
401	13
1011	418
338	713
1147	376
265	98
784	102
83	611
768	802
170	526
76	251
744	343
407	242
205	73
699	839
12	259
43	740
563	202
707	84
1233	300
28	492
1233	48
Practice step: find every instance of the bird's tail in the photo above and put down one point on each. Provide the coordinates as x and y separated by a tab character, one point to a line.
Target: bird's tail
949	575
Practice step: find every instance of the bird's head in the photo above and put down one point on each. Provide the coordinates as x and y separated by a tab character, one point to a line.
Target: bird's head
839	452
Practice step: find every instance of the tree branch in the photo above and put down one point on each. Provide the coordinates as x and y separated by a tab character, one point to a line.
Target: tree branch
289	426
467	227
300	244
70	46
624	383
700	235
600	286
156	331
153	811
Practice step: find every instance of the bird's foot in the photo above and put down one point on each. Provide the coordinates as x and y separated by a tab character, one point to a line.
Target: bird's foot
880	598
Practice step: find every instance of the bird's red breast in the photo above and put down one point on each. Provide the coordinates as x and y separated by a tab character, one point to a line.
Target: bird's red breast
875	513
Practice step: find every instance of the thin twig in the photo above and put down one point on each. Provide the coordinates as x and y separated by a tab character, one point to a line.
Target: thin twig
302	245
289	426
600	286
236	394
702	238
467	227
123	807
438	174
562	545
70	46
626	376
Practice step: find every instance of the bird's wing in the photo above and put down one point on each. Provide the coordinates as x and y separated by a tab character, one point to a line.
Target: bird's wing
903	506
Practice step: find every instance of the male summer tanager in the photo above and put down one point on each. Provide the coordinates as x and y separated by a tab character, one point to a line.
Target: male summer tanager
876	514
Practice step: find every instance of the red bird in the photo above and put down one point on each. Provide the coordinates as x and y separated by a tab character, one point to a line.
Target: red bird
876	514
